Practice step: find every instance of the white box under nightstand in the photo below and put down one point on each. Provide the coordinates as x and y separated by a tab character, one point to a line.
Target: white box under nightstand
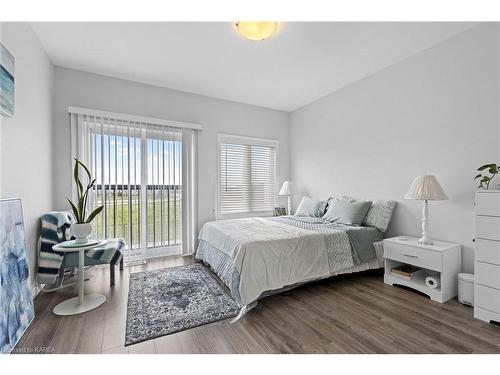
442	257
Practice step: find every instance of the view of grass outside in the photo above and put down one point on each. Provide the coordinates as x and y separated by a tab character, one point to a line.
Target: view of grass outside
163	222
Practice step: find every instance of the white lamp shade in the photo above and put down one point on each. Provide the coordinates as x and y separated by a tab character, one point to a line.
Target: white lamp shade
426	188
285	189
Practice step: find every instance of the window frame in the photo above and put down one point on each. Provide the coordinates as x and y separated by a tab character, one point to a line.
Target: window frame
244	140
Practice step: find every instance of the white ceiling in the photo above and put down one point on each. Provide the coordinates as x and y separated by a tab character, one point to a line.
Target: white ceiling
303	62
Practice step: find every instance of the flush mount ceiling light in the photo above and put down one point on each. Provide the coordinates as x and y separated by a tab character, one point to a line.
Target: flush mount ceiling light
256	30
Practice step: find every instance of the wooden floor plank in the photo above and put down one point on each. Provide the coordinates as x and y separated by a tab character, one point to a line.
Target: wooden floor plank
169	344
344	314
145	347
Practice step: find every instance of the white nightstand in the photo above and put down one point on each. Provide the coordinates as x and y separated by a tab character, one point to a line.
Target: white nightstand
442	257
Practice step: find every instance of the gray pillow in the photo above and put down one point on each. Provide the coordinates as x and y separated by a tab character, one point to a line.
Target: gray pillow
347	212
343	198
310	207
379	215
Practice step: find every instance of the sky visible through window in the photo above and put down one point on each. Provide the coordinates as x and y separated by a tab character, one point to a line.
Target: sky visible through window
163	160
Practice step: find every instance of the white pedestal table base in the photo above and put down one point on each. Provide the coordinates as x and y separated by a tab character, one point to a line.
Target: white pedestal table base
72	306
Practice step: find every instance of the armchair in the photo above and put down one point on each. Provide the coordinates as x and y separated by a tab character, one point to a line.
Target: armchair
52	264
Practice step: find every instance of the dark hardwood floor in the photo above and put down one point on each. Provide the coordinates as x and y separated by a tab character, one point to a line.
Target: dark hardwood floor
345	314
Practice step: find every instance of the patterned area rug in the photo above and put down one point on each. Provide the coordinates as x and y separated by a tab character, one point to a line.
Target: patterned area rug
170	300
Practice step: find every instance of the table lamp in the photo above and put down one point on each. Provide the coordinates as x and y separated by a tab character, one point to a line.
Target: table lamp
286	190
426	188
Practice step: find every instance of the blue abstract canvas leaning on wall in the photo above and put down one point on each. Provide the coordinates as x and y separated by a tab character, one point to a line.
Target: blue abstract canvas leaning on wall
16	301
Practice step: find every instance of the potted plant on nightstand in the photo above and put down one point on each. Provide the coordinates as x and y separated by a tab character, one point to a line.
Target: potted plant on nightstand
484	182
82	229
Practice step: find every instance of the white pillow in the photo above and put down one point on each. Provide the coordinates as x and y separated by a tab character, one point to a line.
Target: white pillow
311	207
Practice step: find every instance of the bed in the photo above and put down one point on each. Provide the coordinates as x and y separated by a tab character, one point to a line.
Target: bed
257	257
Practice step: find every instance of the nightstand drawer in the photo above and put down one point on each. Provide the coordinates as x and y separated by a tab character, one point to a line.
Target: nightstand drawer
488	227
487	298
487	274
488	251
413	255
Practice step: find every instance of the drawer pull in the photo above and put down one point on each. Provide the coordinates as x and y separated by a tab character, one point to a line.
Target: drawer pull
410	256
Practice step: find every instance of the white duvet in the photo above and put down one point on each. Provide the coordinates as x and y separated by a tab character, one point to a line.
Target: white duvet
268	254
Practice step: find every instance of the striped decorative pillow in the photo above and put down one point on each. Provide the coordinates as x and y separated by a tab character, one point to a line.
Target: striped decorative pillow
379	215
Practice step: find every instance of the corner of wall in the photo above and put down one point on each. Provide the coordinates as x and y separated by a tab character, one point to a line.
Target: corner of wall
26	138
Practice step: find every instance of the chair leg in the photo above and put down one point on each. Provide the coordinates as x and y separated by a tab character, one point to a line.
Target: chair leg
60	277
111	274
121	264
59	283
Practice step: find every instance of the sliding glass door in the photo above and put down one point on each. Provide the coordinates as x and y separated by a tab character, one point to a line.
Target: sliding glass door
145	170
138	171
163	198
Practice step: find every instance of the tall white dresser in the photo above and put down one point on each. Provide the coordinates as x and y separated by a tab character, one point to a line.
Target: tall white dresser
487	257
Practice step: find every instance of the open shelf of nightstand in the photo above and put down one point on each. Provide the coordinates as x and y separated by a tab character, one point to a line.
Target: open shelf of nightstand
441	258
417	282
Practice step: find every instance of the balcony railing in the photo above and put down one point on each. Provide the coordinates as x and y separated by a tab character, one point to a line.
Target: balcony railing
124	211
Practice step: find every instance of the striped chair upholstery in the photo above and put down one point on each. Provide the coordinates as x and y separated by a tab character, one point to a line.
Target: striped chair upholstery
56	229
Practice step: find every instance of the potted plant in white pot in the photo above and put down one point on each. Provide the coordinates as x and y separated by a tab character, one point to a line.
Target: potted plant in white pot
82	228
484	182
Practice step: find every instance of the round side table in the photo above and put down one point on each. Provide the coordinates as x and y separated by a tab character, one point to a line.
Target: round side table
84	302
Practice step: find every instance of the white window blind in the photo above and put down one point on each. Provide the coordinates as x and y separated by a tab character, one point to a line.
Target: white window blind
247	182
143	172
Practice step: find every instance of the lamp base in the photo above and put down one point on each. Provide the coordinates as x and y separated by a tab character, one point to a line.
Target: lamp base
425	240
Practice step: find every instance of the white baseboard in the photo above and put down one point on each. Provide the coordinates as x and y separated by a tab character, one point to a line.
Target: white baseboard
35	291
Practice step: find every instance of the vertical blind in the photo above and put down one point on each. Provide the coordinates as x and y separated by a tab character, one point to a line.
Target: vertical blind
141	171
247	175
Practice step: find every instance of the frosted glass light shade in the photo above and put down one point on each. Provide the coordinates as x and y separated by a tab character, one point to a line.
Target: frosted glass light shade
426	188
285	189
256	30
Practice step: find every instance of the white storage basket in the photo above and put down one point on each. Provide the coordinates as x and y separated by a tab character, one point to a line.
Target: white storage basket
466	288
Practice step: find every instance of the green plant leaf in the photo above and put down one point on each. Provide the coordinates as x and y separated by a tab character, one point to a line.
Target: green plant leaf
81	208
75	211
483	167
84	167
479	175
82	195
94	213
85	197
77	180
84	204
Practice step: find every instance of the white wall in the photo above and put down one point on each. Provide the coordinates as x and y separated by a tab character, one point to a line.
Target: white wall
436	112
26	140
82	89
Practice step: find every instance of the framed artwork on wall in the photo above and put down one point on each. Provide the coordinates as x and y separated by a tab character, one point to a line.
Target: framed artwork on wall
16	299
7	84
